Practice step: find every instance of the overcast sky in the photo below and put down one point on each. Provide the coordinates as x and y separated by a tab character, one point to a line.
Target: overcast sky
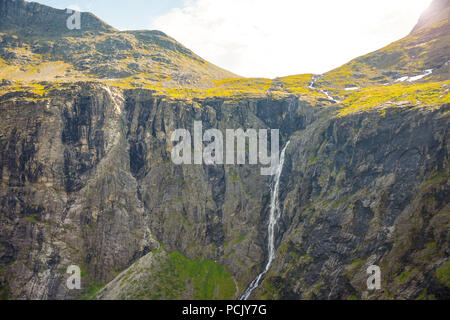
266	38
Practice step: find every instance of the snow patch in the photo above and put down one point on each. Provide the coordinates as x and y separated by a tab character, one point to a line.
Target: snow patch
402	79
415	78
427	73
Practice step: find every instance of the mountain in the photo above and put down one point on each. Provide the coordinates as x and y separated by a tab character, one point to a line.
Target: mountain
421	56
87	179
30	19
435	16
38	46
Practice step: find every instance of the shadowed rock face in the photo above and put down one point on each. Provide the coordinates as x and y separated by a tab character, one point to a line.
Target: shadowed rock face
87	174
86	177
35	37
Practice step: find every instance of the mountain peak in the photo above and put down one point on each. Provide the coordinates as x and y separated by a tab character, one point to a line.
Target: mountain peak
31	19
437	13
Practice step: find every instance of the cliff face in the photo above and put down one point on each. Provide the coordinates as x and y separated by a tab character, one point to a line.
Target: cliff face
64	163
87	179
363	190
86	176
435	15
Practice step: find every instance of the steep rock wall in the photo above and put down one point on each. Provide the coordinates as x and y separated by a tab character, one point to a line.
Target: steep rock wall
87	179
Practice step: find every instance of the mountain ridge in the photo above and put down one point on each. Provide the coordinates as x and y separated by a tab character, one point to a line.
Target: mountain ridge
437	12
42	21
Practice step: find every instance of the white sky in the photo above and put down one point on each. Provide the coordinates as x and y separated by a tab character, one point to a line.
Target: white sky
270	38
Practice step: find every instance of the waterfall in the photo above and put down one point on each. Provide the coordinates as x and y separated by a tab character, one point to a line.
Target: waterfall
275	213
312	85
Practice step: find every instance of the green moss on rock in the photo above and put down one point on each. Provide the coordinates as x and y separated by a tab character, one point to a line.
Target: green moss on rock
443	274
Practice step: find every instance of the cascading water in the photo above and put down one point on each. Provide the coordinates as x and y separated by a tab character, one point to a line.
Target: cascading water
312	86
275	213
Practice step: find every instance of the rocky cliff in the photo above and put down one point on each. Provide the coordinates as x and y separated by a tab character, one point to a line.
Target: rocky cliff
87	177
